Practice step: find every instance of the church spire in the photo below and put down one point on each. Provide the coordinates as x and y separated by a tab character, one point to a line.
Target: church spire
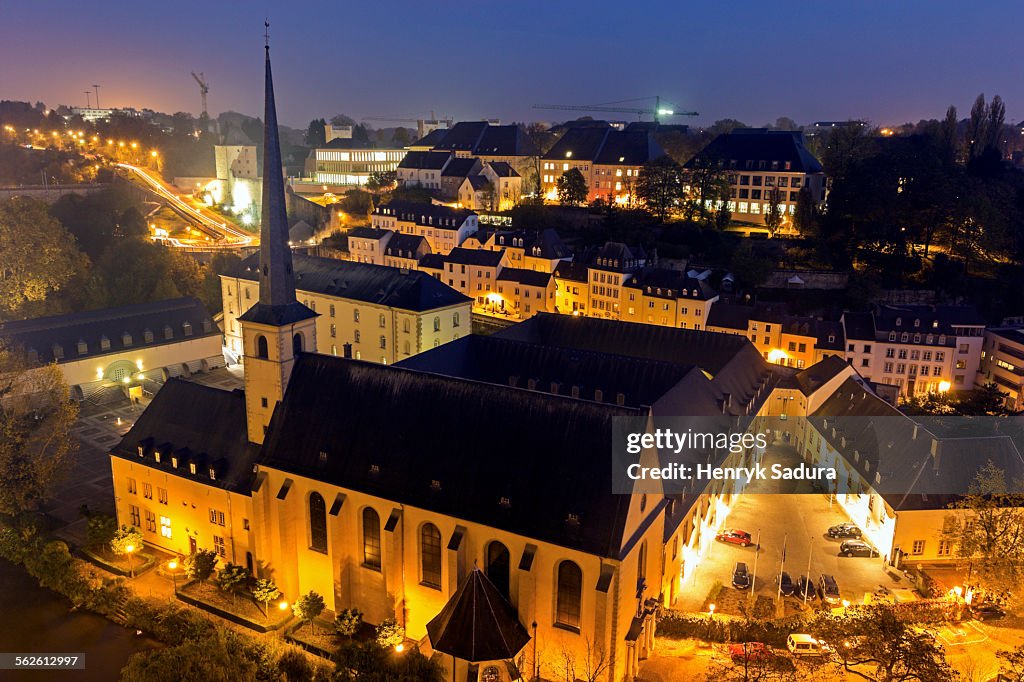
277	281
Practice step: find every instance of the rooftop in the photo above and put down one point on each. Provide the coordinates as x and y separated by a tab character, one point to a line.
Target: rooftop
760	145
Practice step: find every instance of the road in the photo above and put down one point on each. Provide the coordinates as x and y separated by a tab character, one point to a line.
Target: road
227	235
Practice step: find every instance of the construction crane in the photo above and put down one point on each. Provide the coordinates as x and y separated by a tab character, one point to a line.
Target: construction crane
203	88
657	111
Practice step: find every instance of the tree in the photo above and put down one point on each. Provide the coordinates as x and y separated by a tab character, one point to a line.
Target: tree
211	294
755	669
36	418
217	658
265	591
316	135
390	633
773	211
806	216
139	272
199	566
100	530
489	195
708	184
572	188
38	256
874	644
308	607
589	667
367	662
348	621
231	577
660	186
381	180
988	530
1012	667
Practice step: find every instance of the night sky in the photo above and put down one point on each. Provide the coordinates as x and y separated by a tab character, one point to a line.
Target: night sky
889	62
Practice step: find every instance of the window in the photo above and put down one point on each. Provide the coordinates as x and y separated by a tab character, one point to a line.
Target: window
150	521
371	539
945	547
355	315
216	517
918	548
430	555
261	347
455	320
332	310
165	526
317	523
334	331
497	567
383	321
383	342
132	488
218	546
133	513
161	495
569	594
437	324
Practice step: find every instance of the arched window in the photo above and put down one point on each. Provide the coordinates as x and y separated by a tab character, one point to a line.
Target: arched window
498	562
430	555
455	320
297	343
317	523
569	595
437	324
261	347
371	539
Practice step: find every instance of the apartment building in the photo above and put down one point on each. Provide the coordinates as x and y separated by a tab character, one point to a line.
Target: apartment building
760	166
781	337
610	161
1002	362
443	227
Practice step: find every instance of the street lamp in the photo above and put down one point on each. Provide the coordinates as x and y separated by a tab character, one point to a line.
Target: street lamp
283	606
172	566
131	567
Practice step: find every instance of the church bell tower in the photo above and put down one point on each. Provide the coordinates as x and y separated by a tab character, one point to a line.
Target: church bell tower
277	328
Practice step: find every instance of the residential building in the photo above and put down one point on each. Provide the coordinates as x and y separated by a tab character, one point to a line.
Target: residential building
472	272
422	168
443	227
610	161
761	165
669	298
405	251
572	288
918	348
367	244
609	268
523	293
541	251
370	312
489	143
781	337
1002	363
467	182
125	348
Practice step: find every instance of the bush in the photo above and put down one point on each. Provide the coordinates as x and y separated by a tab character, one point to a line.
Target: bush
367	662
676	625
390	634
347	622
199	566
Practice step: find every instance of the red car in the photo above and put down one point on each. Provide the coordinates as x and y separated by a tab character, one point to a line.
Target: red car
751	651
736	537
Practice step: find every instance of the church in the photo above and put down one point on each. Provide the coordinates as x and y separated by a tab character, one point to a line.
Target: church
466	491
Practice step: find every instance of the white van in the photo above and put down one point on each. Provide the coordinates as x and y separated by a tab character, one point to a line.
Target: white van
804	645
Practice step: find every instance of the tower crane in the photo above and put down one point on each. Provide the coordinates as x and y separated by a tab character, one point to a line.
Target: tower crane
203	88
657	111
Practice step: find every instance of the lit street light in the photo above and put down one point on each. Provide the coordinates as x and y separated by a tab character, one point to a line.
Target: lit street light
172	566
131	566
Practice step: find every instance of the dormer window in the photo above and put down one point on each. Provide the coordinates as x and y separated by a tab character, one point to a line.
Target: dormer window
174	462
58	351
126	339
168	332
147	336
917	323
187	328
899	321
83	348
104	343
213	474
192	467
156	456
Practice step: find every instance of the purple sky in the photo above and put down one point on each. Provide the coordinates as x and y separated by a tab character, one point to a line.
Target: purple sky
889	62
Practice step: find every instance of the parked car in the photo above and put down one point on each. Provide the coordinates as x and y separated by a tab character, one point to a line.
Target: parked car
857	548
987	611
804	586
750	651
740	576
805	645
785	584
829	588
844	530
736	537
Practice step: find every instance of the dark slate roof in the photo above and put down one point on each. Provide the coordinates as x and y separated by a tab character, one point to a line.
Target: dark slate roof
859	326
403	243
1012	334
817	375
733	362
630	148
480	257
365	232
431	139
730	316
422	214
570	270
552	369
425	160
377	284
463	136
478	624
544	244
276	315
530	278
758	144
460	168
578	143
347	409
43	333
199	424
506	140
935	319
503	170
478	182
617	256
433	261
670	284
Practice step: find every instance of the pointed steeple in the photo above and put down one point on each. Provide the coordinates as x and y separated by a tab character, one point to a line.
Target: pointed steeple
277	304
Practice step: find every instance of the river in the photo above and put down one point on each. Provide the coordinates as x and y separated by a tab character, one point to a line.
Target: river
35	620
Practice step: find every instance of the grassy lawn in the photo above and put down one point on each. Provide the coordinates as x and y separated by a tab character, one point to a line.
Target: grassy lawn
242	605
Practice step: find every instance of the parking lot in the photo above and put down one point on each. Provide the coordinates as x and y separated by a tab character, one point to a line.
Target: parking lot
796	520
